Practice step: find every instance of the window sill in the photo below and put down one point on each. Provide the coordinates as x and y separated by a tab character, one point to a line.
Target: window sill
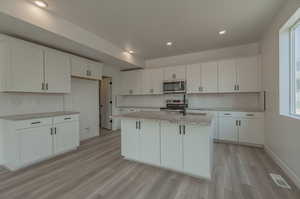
292	116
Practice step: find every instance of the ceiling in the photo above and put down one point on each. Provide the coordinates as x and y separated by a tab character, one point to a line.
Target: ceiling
193	25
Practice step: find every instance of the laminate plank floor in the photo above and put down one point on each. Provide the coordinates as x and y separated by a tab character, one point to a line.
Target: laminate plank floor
97	171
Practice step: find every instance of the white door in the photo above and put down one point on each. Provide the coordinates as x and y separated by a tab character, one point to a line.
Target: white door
57	72
66	136
175	73
227	76
106	103
79	67
130	139
157	76
251	131
228	129
194	141
27	67
35	144
171	146
147	82
248	74
209	77
150	142
193	80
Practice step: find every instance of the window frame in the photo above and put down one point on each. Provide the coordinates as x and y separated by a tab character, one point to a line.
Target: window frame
292	79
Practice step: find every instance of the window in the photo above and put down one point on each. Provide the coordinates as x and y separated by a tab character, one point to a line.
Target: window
295	69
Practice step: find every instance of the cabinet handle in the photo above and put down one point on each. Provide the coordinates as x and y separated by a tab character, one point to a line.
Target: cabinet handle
251	115
43	86
236	122
240	122
51	131
55	130
183	129
227	114
46	86
67	118
235	87
32	123
200	88
136	124
179	129
238	87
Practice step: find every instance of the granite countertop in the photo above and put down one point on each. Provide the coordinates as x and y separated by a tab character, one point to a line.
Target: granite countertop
140	107
191	118
37	115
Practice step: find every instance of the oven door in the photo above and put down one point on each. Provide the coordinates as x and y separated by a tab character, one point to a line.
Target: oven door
174	87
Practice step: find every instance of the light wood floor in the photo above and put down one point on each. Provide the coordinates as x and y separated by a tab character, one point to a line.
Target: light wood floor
97	171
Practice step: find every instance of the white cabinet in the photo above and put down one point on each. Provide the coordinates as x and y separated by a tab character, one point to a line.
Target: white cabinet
141	140
57	72
242	127
83	68
171	146
29	141
152	80
35	144
175	73
25	69
227	76
240	75
228	129
131	82
248	74
202	78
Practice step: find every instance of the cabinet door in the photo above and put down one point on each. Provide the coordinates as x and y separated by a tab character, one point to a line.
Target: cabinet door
209	77
196	147
130	139
227	76
27	67
94	70
228	129
175	73
150	142
252	131
79	67
193	74
136	79
157	76
35	144
147	82
57	72
66	137
248	74
171	146
126	82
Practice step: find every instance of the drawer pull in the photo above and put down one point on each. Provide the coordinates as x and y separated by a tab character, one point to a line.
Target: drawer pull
227	114
250	115
32	123
67	118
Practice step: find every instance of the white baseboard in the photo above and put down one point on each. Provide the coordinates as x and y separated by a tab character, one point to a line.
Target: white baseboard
289	172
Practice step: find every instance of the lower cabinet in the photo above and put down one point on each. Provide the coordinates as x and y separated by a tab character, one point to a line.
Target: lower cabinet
34	144
240	127
29	141
141	140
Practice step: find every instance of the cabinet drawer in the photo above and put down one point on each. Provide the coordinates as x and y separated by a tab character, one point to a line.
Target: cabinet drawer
65	118
250	115
33	123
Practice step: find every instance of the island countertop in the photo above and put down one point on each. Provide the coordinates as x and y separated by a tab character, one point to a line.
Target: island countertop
37	115
190	118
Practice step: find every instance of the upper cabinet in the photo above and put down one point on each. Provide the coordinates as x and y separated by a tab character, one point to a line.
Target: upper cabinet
202	78
240	75
175	73
131	82
87	69
152	80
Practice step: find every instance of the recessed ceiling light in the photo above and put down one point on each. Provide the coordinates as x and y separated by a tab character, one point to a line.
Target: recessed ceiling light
41	4
130	51
169	43
222	32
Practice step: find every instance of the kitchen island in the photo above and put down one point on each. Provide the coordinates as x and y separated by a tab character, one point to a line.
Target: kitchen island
169	140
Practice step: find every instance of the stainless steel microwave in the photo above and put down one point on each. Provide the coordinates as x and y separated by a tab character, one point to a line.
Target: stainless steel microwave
175	86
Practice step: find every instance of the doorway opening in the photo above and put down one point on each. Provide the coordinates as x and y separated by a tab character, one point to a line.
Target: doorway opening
105	102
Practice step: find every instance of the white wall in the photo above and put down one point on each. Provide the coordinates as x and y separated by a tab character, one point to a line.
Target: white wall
208	55
84	98
282	133
18	103
115	74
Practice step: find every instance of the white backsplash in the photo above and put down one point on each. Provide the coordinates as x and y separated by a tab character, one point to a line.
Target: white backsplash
241	100
23	103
